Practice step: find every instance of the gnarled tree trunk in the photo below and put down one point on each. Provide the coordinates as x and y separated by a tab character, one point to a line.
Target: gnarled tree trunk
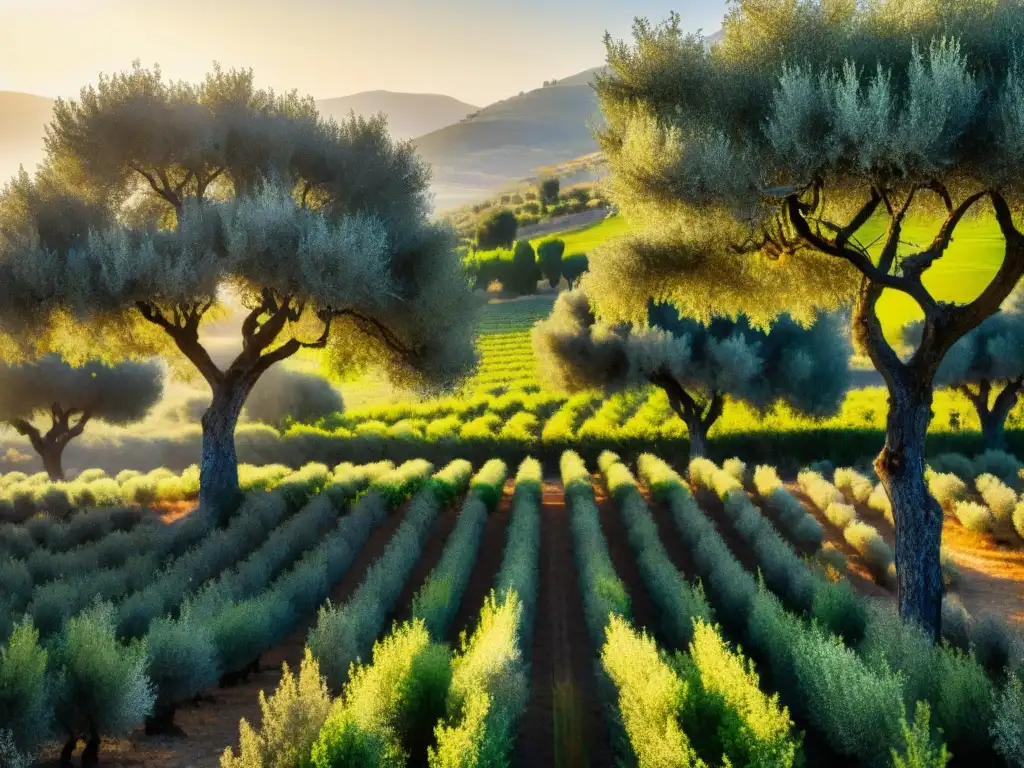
218	469
50	446
698	416
993	417
900	467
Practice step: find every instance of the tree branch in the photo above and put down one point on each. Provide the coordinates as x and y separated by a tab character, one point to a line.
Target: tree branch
386	334
714	411
164	192
187	340
919	262
25	428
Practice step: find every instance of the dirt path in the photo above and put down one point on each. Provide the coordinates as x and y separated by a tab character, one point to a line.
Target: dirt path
562	682
991	575
488	562
212	724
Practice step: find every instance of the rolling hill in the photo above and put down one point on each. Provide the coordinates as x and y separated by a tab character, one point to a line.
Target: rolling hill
409	114
508	140
22	117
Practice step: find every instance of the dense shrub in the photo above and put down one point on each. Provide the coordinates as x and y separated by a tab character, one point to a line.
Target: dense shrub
181	662
523	274
103	686
1008	727
379	719
498	230
573	267
797	520
488	692
26	707
290	724
519	566
1000	498
650	696
549	256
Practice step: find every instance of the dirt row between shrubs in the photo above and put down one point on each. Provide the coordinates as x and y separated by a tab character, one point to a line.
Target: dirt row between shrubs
211	723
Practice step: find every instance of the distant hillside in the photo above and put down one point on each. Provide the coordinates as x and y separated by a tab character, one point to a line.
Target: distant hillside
409	114
22	118
510	139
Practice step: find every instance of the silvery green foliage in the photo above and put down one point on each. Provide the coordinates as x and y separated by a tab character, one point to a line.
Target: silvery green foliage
680	604
118	394
797	520
259	515
26	690
1008	728
991	352
261	194
519	564
181	659
10	756
604	594
103	685
783	570
346	633
1003	465
806	368
439	598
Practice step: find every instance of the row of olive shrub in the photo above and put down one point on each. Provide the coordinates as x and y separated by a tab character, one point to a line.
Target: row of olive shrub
704	706
859	711
141	589
257	443
44	508
388	709
85	682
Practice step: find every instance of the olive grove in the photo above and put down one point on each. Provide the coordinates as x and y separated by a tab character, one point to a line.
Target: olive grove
775	171
159	201
699	366
987	367
70	397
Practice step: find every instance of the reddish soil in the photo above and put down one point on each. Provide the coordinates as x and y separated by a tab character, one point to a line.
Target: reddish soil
857	572
488	563
644	612
562	659
991	574
428	560
212	724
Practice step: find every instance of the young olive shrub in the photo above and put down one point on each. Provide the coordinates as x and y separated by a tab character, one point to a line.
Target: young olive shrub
290	724
26	691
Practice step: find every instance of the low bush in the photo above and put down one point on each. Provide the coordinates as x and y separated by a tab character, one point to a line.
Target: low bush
103	686
794	517
736	468
604	594
973	516
181	662
854	486
438	600
380	718
819	490
877	554
26	706
730	711
519	564
999	497
679	604
879	501
1008	726
290	724
947	488
919	750
999	463
488	692
650	697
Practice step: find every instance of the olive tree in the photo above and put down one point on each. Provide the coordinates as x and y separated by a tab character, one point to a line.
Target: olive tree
987	366
72	396
776	170
699	366
283	395
158	200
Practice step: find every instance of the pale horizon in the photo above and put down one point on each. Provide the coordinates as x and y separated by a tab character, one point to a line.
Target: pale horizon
324	49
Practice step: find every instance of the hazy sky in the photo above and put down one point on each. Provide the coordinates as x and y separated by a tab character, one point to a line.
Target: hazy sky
475	50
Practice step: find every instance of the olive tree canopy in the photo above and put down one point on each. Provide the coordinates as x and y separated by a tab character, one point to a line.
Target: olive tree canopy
283	395
72	396
756	166
699	366
156	198
987	367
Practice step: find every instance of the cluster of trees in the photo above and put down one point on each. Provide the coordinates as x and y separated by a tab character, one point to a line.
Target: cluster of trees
155	197
495	229
749	167
520	268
